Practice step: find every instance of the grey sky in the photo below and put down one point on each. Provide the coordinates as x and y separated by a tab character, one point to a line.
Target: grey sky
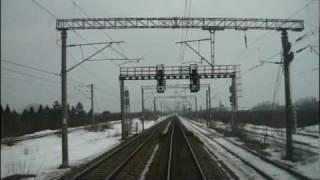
28	36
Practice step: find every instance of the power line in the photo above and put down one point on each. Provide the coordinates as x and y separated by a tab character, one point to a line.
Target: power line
37	69
75	32
30	67
264	35
55	17
277	86
26	74
45	9
104	32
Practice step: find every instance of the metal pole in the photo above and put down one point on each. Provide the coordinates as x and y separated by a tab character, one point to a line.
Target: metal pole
289	108
234	107
64	129
209	96
207	92
123	125
319	77
142	108
212	42
154	105
92	107
196	103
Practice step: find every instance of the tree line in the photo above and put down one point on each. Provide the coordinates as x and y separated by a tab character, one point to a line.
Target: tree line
34	119
44	117
306	113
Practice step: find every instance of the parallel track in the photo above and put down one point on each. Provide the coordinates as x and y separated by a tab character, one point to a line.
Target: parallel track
180	167
100	169
245	161
164	151
312	135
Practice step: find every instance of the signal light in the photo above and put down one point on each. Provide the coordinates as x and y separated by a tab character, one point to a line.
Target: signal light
194	78
126	98
161	83
232	97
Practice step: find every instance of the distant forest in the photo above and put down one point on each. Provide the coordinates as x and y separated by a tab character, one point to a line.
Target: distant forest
49	117
306	113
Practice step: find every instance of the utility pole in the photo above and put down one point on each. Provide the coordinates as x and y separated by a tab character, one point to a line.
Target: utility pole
212	42
196	103
92	107
142	108
288	57
154	105
123	127
234	102
207	104
64	112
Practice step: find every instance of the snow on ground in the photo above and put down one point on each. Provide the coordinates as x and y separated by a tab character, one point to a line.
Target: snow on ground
310	129
42	156
241	170
309	165
280	133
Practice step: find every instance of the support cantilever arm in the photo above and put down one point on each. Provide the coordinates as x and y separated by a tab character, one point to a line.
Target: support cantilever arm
203	58
117	59
92	55
97	43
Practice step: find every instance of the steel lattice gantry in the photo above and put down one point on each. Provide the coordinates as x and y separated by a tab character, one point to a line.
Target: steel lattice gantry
182	86
206	23
177	72
174	97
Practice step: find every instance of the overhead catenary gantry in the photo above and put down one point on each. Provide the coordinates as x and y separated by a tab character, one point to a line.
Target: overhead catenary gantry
182	73
177	86
205	23
174	97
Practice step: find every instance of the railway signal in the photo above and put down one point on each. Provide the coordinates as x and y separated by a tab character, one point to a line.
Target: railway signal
161	82
194	78
233	94
211	24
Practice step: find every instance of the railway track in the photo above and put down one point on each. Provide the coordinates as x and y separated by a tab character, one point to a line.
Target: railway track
312	135
165	151
182	162
110	164
266	168
299	144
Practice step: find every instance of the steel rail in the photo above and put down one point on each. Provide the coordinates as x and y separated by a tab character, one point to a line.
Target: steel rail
192	152
170	152
281	139
111	153
283	167
123	163
282	131
263	174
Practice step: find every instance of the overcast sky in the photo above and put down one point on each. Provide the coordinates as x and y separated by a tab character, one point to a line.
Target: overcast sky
29	37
